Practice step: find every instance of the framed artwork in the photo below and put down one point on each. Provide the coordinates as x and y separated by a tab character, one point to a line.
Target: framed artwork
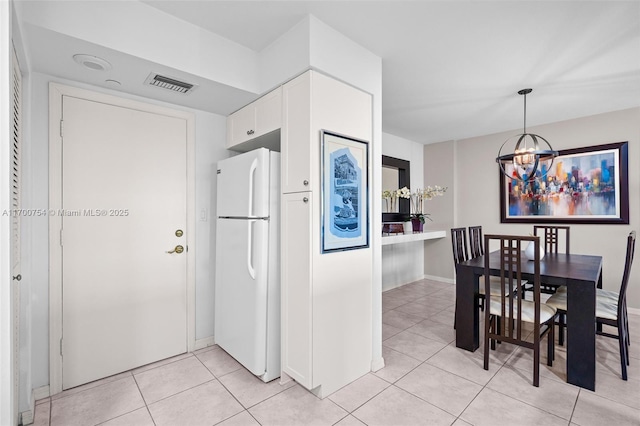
345	192
583	185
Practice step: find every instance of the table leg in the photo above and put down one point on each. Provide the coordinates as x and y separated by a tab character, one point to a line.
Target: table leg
581	334
467	318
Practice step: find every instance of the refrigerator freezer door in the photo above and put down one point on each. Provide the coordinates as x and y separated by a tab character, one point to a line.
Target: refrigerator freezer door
243	185
241	290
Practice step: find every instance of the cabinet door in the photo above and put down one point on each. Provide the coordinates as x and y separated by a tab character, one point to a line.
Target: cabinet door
296	131
241	126
268	112
296	287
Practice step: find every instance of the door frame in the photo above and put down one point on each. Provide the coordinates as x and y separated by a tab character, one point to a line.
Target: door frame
56	92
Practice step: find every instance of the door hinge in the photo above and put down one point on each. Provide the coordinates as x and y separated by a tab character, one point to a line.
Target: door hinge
60	346
61	128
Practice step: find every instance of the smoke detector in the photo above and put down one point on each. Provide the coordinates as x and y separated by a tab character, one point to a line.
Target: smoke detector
169	83
92	62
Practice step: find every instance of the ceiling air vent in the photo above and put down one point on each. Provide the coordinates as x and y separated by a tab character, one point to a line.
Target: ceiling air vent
169	83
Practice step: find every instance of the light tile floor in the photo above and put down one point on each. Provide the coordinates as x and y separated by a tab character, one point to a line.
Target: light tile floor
426	381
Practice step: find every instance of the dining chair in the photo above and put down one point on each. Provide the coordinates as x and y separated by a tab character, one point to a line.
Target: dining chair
461	254
475	241
611	308
519	313
551	244
551	234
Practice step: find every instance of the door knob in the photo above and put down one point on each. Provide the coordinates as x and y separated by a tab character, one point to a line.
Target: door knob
177	249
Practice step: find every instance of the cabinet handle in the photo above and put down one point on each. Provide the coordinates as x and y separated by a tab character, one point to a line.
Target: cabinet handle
250	132
305	182
305	200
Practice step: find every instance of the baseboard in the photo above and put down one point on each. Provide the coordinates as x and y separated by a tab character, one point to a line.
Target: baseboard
27	417
634	311
392	286
377	364
203	343
440	279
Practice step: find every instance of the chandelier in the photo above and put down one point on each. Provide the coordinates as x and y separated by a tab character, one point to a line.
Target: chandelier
529	153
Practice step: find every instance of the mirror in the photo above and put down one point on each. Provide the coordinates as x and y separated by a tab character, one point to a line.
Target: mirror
395	175
390	179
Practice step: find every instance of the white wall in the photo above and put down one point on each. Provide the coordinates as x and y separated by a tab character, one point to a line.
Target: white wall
210	141
477	198
440	169
403	263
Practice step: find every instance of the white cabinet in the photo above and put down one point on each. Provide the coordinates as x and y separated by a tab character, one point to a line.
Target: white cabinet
296	310
296	145
326	298
256	119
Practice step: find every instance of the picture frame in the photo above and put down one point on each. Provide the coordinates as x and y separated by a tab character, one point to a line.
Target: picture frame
588	185
345	192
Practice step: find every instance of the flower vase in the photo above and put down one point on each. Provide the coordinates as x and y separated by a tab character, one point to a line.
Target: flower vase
416	224
529	252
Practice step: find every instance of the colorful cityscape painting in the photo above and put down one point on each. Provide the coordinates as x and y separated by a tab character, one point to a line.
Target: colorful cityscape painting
582	184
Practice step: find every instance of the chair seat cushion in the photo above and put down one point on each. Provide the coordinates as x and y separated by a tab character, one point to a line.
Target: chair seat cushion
607	294
607	309
494	282
558	300
528	310
606	306
600	293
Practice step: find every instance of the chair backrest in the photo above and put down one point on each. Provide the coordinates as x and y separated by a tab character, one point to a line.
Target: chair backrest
459	245
631	248
512	260
475	241
551	237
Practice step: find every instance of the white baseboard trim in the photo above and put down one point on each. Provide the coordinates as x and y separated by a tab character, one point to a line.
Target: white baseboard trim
203	343
377	364
440	279
27	417
634	311
41	392
392	286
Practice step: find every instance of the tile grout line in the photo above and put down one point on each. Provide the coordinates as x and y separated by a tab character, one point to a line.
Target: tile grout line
143	399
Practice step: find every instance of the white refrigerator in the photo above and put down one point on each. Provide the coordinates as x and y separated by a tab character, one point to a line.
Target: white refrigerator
247	286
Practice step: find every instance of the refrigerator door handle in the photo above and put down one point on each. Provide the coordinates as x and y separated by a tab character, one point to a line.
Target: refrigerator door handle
252	177
250	268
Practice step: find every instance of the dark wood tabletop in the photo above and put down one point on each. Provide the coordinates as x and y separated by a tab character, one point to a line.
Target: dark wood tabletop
582	274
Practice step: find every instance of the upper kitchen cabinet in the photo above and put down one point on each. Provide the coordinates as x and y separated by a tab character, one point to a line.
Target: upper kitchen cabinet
256	120
297	147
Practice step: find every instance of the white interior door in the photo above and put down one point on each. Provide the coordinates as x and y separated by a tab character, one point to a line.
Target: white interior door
124	300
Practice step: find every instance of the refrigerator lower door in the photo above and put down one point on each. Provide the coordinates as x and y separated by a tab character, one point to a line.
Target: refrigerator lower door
241	290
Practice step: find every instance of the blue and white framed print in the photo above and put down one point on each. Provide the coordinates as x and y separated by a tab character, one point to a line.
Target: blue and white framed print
345	192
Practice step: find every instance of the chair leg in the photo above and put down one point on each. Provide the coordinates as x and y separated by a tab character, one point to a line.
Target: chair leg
495	323
561	325
487	328
550	344
536	365
623	351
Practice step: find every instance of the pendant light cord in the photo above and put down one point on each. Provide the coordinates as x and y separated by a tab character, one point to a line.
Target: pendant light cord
525	114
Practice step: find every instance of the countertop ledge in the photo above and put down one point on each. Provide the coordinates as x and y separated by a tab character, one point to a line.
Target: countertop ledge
417	236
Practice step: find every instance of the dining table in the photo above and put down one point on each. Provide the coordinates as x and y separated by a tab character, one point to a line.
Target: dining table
580	273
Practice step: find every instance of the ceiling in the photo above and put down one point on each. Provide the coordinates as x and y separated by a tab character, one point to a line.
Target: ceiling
450	69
